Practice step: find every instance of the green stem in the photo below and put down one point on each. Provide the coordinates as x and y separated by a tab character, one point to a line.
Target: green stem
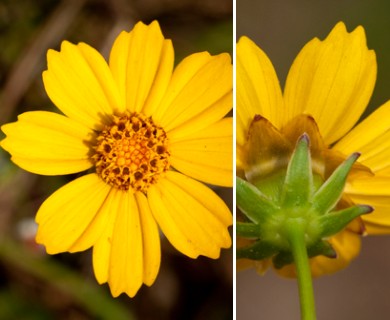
296	238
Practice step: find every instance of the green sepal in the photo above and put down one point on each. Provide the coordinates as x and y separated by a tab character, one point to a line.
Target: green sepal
334	222
321	248
293	194
299	177
330	192
258	251
248	230
253	203
282	259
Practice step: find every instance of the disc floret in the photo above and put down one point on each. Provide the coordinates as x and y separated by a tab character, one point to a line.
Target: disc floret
132	152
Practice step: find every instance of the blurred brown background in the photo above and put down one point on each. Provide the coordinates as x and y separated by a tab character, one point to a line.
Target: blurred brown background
281	28
34	285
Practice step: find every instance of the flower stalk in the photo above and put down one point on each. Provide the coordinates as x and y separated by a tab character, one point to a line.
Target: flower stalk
295	234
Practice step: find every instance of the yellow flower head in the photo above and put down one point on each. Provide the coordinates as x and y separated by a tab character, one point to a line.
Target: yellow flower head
327	89
146	133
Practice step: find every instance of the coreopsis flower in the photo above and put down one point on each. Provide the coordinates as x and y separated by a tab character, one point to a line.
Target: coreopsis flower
327	89
148	136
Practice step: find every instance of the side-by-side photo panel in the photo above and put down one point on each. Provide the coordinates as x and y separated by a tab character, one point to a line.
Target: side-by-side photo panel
116	159
312	160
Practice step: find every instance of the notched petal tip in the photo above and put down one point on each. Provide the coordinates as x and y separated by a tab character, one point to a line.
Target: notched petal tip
340	30
66	44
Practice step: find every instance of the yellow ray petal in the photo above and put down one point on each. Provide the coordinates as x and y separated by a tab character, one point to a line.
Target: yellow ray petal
260	266
126	256
378	222
98	225
258	90
102	247
369	190
204	195
188	219
333	81
48	143
206	155
161	79
371	138
347	245
79	82
151	240
298	83
204	119
378	159
141	62
382	171
162	213
197	84
373	191
65	215
240	158
266	150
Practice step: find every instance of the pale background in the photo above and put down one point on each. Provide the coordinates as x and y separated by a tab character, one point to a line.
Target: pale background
281	28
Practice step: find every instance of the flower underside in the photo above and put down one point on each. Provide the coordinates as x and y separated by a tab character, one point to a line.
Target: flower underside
268	150
291	177
132	152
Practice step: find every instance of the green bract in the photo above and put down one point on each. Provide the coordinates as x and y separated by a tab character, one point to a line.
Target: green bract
294	197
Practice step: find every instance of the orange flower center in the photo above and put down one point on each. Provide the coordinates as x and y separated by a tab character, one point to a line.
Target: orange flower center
132	152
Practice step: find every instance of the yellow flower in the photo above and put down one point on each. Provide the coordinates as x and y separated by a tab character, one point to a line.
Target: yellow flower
327	90
146	134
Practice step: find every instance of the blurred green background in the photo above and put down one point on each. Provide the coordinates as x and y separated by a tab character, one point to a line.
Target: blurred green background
281	28
34	285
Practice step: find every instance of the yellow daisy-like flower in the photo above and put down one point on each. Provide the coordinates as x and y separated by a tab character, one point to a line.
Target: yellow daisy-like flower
147	133
327	90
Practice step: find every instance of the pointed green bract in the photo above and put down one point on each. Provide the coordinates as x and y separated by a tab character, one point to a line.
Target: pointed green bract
253	203
282	259
303	201
298	181
334	222
324	248
330	192
258	251
247	230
